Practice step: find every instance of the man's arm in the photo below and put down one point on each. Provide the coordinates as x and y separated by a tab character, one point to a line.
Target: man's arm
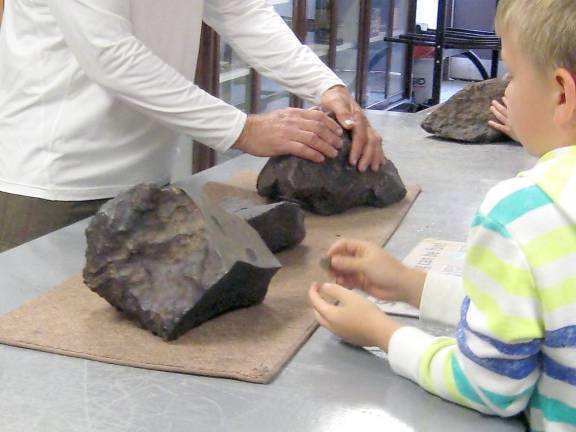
262	38
100	36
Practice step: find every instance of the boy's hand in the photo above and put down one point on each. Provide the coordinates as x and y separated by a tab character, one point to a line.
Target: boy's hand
355	319
500	111
360	264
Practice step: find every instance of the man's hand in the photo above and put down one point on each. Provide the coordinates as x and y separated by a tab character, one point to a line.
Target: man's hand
354	318
307	134
366	143
500	111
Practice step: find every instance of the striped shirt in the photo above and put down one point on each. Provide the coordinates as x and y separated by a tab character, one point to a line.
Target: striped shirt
515	347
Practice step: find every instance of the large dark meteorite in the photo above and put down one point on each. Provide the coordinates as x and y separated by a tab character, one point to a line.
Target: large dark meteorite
464	117
281	225
330	187
170	265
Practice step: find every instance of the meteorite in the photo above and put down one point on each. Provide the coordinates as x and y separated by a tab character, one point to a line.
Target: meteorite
330	187
281	224
464	117
170	263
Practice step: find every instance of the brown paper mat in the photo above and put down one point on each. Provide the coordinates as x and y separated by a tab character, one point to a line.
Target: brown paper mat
250	344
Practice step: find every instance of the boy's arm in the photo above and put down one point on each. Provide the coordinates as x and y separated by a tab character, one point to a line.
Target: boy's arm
493	364
442	297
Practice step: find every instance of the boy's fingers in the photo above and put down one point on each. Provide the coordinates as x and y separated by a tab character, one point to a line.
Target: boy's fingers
320	305
496	104
498	113
338	247
501	117
347	264
345	281
502	128
333	291
322	321
345	247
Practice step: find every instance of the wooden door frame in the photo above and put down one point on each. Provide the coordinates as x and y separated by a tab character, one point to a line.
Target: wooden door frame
207	78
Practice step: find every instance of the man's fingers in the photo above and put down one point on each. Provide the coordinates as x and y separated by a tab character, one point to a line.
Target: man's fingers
378	159
303	151
366	158
359	139
310	139
321	117
325	133
344	113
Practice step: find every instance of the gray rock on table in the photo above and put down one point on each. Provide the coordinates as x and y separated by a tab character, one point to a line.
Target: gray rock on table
331	187
281	225
171	264
464	117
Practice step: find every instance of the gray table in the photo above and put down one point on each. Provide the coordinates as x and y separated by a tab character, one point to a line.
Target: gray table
328	386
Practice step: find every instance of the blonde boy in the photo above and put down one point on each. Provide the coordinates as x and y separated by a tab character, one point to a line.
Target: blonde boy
515	348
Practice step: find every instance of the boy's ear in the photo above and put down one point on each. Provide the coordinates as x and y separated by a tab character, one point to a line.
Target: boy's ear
566	102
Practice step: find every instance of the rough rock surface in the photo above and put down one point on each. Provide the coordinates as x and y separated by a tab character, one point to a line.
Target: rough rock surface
331	187
281	225
464	117
170	264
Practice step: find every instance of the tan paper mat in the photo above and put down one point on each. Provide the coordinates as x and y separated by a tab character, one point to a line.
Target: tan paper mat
251	344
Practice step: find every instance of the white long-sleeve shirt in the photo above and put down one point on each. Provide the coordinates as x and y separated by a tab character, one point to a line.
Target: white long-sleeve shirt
94	94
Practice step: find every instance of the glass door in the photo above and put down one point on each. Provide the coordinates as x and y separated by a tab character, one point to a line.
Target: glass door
347	29
272	95
235	79
378	52
396	79
235	87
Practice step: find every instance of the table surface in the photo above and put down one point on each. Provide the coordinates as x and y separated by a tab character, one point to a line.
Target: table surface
327	386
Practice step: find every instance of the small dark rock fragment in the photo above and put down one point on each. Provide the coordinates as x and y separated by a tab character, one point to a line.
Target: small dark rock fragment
171	264
326	262
281	225
331	187
464	117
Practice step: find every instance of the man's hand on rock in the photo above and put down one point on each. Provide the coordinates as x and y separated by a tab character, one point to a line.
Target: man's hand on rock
366	143
308	134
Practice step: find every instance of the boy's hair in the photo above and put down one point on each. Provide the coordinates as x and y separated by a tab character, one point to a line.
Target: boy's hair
544	29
